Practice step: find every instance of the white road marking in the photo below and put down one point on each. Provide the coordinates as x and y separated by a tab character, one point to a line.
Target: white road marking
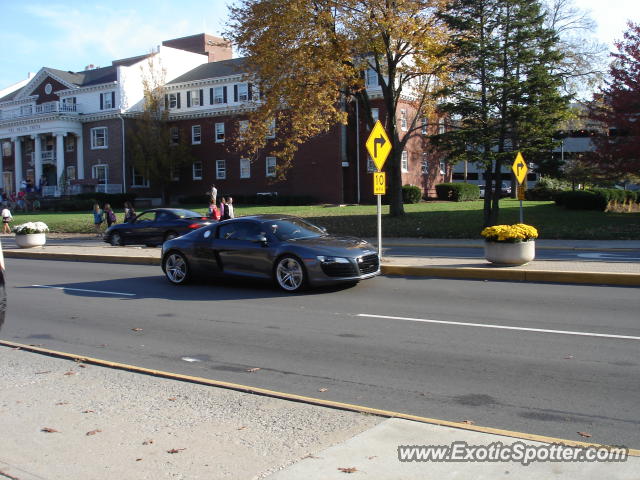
84	290
502	327
189	359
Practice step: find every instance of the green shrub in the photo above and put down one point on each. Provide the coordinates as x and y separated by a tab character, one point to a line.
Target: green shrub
411	194
631	197
252	199
458	192
611	195
540	193
583	200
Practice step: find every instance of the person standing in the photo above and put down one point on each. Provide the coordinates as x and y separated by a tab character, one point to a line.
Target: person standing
229	203
110	215
223	209
213	193
6	218
98	218
129	212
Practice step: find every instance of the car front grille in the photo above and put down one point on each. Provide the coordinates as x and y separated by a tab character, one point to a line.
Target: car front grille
368	264
339	269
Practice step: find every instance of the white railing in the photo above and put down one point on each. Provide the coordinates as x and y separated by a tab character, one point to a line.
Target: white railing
109	188
48	157
31	110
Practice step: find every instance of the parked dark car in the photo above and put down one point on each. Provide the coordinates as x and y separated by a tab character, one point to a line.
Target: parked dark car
155	226
290	251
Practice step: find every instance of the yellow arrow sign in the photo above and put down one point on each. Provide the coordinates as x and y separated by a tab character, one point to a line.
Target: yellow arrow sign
378	145
519	168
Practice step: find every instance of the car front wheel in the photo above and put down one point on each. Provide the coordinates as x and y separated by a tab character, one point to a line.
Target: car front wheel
176	268
290	274
116	239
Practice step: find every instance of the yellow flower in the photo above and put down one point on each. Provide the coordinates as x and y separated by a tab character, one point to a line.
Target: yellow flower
519	232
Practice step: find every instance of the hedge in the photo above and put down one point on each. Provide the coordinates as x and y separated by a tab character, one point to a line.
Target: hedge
411	194
252	199
582	200
458	192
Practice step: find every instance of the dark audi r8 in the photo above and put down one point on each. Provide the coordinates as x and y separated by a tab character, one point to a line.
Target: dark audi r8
288	250
155	226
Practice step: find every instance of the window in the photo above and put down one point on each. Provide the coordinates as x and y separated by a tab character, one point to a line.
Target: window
107	100
271	166
194	98
221	169
247	231
197	170
371	78
443	168
219	132
71	172
138	179
441	127
403	119
175	135
99	138
196	134
271	131
6	149
245	168
99	172
220	95
425	164
69	104
70	143
243	126
404	161
172	100
243	92
425	123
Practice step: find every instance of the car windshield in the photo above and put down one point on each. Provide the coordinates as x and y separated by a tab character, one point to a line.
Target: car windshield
180	213
293	228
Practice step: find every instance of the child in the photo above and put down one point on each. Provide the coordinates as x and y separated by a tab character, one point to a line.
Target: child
98	218
6	218
110	214
213	211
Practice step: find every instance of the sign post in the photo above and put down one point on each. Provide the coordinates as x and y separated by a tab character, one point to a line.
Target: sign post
378	145
520	170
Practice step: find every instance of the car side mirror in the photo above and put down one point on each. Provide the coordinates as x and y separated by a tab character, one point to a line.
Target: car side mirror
261	239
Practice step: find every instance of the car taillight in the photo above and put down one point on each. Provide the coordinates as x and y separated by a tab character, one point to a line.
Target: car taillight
193	226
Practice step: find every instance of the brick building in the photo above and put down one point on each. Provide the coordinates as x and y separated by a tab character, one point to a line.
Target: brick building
66	132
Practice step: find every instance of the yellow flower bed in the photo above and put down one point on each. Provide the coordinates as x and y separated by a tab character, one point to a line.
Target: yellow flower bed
519	232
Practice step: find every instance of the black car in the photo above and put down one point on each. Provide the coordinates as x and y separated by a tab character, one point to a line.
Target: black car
155	226
288	250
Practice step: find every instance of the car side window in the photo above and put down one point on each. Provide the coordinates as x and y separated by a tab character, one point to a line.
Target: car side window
163	217
240	231
146	217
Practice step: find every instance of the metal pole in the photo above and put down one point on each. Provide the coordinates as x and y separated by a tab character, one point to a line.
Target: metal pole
521	213
357	152
379	226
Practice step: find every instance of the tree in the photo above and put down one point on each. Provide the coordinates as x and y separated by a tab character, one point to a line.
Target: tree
505	96
618	109
309	59
156	152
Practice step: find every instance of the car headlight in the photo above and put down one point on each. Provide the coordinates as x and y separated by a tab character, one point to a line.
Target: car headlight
325	259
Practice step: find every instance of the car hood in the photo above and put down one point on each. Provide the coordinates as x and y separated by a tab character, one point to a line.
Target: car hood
333	245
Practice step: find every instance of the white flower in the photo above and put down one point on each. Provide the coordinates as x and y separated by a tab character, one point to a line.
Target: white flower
31	227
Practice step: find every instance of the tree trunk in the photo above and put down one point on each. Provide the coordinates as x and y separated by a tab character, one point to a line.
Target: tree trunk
396	206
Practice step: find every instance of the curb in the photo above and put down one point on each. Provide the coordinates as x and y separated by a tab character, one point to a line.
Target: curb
304	399
470	273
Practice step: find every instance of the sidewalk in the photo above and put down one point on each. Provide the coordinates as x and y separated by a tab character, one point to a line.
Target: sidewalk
86	248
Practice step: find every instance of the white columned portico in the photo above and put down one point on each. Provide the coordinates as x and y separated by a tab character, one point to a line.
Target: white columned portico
37	161
59	159
80	156
17	150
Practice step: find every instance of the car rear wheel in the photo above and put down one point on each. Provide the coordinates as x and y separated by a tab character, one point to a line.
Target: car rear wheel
116	239
176	268
289	274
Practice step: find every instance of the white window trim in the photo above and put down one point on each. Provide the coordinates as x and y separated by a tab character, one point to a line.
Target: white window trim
145	180
243	92
271	132
71	168
218	99
193	170
270	163
404	161
195	98
221	169
94	131
245	168
195	141
173	100
100	166
403	119
219	140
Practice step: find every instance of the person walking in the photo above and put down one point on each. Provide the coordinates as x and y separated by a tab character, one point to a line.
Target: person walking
213	194
229	203
110	215
98	218
213	211
223	209
6	218
129	212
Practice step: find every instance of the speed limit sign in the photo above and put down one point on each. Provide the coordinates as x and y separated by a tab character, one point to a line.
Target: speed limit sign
379	183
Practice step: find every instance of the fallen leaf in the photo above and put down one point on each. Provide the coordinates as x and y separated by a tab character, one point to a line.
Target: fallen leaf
93	432
138	459
371	458
251	370
48	430
172	399
175	450
147	442
242	427
88	411
136	329
82	365
468	422
62	403
348	470
69	373
584	434
42	373
310	456
323	389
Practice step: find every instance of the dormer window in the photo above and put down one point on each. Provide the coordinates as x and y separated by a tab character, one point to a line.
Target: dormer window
107	100
241	92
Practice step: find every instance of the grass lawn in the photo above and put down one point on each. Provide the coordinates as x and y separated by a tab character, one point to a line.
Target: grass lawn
429	220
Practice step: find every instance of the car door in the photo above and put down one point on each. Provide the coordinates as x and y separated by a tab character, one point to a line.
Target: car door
141	229
241	251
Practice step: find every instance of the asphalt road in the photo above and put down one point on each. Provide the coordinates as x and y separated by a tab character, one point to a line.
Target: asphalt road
568	363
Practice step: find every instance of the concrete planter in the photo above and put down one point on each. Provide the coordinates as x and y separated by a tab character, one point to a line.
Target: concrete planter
510	253
31	240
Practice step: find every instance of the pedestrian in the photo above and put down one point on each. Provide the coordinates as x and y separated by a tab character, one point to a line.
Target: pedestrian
213	194
98	218
213	211
224	213
110	215
6	218
229	203
129	212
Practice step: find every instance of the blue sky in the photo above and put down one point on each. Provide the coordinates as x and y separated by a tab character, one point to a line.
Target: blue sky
72	34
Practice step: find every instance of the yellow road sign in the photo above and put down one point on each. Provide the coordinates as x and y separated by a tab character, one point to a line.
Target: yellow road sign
379	183
519	168
378	145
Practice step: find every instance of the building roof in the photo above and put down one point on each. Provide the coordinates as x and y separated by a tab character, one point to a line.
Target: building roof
223	68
